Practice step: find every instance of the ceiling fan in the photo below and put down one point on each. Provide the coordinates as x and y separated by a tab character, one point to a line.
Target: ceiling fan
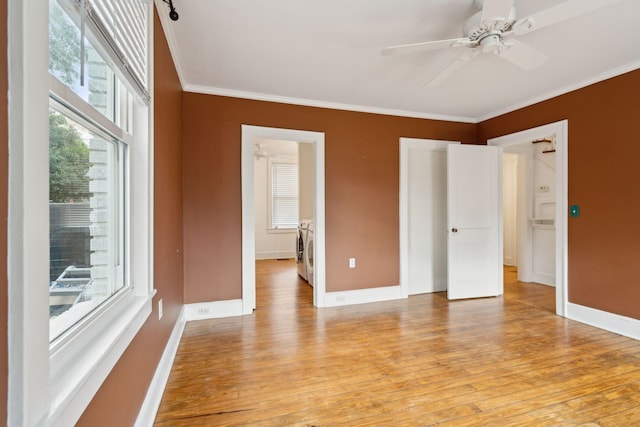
493	30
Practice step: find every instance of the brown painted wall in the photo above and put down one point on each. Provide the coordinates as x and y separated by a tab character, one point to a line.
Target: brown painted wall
604	148
361	189
118	401
4	177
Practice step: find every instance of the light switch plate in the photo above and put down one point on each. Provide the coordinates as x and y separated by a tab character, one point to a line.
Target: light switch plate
574	211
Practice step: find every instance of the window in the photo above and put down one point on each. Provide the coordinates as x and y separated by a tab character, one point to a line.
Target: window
86	220
89	76
80	276
284	195
87	177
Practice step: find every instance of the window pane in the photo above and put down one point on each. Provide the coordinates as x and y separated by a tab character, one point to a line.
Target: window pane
85	221
284	195
64	63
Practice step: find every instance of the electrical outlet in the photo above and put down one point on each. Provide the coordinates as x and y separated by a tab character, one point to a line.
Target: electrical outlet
203	310
160	309
352	263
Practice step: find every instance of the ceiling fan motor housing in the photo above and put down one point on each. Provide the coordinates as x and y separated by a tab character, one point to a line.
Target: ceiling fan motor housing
476	30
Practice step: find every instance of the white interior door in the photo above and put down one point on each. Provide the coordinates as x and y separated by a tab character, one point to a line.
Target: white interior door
423	215
474	253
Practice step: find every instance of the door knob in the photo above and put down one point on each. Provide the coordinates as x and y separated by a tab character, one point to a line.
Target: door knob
454	230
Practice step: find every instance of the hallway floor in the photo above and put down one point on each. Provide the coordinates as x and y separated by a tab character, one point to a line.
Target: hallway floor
419	361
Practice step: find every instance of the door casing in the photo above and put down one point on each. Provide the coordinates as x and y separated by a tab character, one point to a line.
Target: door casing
249	135
560	130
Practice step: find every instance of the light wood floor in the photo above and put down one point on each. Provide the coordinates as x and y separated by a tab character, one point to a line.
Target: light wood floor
415	362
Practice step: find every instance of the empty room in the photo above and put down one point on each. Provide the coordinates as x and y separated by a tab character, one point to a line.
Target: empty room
320	213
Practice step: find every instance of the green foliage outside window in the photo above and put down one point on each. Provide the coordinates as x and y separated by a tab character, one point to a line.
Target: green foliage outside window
68	162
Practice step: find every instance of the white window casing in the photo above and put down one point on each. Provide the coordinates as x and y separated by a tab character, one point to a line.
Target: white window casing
283	194
53	384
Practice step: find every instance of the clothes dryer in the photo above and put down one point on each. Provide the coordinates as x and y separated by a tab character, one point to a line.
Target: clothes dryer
301	243
309	253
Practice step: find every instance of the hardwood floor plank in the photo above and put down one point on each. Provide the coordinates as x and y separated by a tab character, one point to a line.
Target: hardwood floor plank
420	361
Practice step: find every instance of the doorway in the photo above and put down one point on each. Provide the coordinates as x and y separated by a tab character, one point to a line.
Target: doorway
283	188
559	130
250	136
423	215
529	210
546	220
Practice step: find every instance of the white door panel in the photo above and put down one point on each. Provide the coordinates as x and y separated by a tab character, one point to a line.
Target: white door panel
423	215
474	218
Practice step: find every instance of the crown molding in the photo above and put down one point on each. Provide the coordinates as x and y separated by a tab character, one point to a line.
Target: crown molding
171	39
614	72
206	90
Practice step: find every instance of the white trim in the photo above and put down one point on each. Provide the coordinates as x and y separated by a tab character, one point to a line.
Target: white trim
544	279
28	214
40	393
560	129
208	90
152	400
627	326
387	111
71	394
249	135
405	145
170	36
213	309
322	104
562	91
276	254
363	296
62	93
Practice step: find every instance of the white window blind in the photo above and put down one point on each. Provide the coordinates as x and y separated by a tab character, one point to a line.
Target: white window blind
120	29
284	195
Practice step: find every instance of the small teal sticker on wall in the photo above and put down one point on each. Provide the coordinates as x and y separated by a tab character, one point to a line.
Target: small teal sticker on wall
574	211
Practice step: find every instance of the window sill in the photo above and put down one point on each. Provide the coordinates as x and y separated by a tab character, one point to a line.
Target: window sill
80	364
282	230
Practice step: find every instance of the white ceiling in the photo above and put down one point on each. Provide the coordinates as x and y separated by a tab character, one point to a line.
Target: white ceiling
327	53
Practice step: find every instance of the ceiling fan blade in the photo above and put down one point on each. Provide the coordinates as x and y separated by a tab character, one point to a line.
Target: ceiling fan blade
452	68
522	55
553	15
496	10
425	47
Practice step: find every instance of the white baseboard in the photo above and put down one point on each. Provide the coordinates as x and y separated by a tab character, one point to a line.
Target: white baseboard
622	325
213	310
151	403
544	279
363	296
275	255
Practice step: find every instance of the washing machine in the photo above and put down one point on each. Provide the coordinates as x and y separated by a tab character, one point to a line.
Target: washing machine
308	253
301	243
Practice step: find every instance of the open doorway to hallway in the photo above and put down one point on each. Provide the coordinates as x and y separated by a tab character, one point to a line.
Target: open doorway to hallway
529	210
284	200
316	139
279	287
544	211
534	294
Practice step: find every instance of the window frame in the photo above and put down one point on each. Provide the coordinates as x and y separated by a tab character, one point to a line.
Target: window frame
41	390
280	160
79	113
